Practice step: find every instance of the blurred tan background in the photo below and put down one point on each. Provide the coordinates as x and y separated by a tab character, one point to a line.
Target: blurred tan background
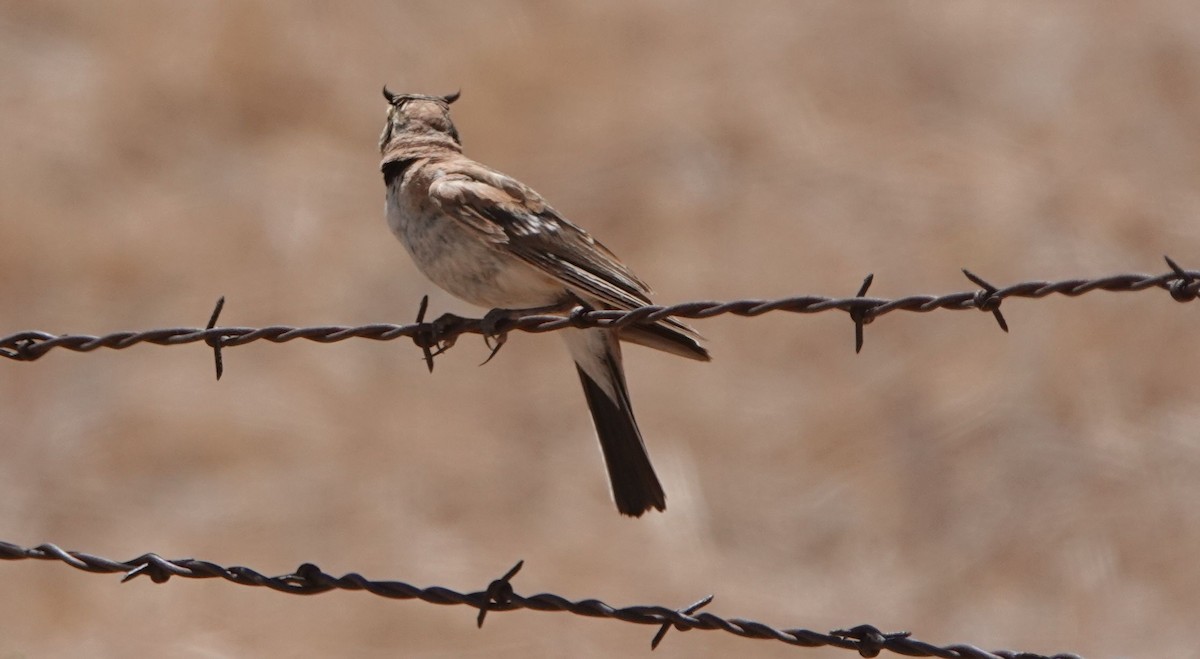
1037	490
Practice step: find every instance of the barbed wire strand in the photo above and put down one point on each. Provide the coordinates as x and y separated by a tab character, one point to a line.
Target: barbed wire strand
439	335
500	596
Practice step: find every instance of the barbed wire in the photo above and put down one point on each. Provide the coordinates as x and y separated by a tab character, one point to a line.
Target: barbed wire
439	335
308	579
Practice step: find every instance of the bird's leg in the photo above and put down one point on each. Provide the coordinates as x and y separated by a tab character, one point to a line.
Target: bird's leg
493	324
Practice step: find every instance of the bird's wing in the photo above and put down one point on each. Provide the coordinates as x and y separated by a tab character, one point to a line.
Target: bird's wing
504	211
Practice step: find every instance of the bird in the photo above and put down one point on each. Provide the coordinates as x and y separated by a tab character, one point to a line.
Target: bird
492	241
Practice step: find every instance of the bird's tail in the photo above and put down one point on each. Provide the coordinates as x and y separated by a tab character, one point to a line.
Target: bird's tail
597	355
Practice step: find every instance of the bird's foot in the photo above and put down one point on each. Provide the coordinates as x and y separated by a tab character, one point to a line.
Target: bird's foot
438	336
496	324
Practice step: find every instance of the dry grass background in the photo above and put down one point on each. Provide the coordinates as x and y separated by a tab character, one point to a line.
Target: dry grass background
1035	491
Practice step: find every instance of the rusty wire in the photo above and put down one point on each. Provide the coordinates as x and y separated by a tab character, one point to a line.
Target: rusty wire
499	596
437	336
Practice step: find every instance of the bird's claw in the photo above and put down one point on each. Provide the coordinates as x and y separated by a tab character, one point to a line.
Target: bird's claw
495	334
436	337
444	331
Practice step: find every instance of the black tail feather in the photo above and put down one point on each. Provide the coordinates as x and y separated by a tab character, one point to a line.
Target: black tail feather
635	486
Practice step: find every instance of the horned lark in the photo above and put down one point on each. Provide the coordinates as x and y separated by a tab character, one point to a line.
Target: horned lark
492	241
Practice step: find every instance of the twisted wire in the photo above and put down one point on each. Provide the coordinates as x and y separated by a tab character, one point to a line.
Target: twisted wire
440	334
499	596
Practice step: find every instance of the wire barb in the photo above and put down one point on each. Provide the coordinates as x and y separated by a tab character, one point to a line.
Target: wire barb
692	608
871	641
425	339
499	592
860	315
1184	288
20	347
215	341
986	299
153	566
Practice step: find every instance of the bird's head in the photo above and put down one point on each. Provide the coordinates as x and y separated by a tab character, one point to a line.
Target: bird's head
417	116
